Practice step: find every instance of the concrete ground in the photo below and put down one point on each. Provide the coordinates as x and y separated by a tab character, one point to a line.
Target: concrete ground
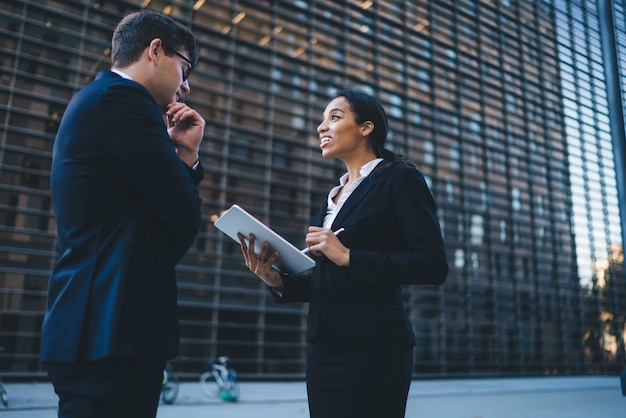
535	397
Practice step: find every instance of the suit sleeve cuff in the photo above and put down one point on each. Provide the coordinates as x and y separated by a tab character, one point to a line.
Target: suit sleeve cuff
196	172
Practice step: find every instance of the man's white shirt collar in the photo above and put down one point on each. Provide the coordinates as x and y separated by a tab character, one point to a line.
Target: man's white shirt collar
122	74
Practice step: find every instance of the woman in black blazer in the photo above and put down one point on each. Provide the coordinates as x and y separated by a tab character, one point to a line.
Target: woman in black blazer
360	352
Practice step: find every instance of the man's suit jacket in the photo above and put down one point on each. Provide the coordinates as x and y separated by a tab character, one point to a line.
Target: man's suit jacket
394	239
127	210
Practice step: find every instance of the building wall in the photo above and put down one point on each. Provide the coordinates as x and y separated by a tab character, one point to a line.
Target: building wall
479	97
592	163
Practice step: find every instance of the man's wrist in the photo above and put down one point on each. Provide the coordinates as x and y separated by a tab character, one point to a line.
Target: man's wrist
189	158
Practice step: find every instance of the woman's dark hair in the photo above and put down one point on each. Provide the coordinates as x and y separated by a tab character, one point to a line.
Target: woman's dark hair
366	107
135	32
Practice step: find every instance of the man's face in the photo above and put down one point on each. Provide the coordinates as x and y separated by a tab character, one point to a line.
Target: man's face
171	77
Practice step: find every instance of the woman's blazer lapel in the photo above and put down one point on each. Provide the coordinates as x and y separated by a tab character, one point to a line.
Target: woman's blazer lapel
357	196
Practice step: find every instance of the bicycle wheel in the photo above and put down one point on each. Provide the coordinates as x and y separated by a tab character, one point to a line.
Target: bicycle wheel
230	388
169	391
208	384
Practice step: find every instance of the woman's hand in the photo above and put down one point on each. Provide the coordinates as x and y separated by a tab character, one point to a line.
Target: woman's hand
260	264
322	241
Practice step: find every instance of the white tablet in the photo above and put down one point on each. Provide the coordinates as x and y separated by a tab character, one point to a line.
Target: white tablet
290	260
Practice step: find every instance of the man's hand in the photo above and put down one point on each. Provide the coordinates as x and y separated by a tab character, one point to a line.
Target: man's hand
185	127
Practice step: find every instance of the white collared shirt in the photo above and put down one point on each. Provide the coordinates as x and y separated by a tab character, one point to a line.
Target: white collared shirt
333	208
122	74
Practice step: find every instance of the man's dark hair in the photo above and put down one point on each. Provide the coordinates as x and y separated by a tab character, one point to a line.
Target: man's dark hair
135	32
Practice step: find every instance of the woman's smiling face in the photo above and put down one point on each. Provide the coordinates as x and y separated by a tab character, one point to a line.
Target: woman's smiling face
340	135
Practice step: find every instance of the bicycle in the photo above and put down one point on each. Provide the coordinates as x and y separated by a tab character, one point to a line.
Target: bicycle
220	381
3	395
3	392
170	386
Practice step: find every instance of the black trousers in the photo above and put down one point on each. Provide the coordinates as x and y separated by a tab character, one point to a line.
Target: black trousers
358	380
114	387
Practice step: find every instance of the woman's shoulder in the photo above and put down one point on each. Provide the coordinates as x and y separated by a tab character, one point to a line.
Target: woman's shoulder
398	168
398	176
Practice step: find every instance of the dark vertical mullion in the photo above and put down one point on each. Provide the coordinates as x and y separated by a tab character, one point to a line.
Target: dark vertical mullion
511	258
615	102
491	296
616	117
536	247
464	183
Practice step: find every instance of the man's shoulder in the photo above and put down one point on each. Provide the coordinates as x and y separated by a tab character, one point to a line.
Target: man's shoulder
108	80
108	95
109	87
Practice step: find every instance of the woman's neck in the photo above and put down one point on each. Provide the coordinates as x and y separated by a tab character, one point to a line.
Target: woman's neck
353	166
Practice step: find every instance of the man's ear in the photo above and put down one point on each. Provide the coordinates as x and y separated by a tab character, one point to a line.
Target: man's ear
367	128
155	49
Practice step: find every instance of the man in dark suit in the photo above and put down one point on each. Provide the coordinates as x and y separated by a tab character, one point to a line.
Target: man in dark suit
124	174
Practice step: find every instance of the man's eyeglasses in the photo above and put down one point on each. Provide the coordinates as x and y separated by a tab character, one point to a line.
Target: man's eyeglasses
184	58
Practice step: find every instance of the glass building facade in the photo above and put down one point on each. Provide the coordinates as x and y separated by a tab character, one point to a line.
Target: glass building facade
502	104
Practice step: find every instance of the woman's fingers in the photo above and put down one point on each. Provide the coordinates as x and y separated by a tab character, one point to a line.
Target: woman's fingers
320	237
260	264
244	247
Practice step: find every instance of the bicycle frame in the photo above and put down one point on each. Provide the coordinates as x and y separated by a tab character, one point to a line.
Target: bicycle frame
220	381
